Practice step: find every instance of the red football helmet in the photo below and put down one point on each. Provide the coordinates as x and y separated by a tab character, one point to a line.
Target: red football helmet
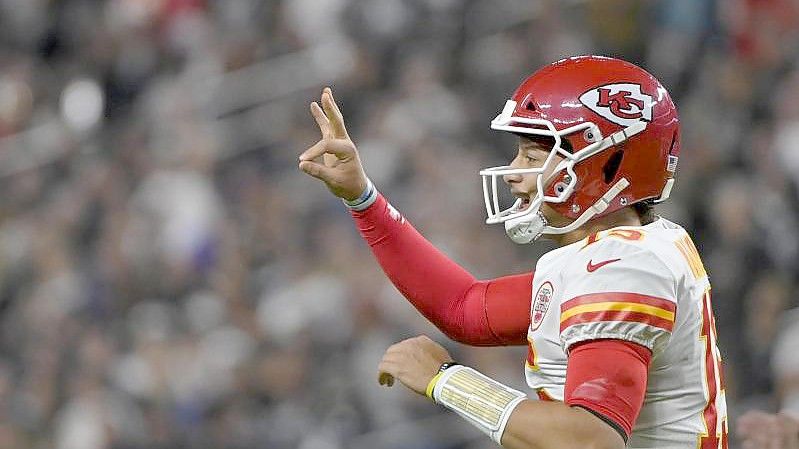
623	142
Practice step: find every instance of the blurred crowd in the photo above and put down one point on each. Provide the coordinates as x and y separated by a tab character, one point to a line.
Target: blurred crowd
169	279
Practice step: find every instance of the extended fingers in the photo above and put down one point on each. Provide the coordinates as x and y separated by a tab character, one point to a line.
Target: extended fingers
321	120
333	114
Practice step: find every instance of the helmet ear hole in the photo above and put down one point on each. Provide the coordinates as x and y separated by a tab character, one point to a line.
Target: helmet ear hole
612	166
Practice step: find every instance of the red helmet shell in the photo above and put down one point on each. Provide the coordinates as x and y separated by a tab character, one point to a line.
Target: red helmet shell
612	94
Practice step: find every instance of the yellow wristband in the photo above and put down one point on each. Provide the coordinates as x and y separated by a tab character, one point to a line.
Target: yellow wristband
432	385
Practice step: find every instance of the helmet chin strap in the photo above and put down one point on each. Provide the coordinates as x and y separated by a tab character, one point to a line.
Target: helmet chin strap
531	227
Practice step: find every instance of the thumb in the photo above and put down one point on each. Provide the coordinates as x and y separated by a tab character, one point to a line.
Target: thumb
317	170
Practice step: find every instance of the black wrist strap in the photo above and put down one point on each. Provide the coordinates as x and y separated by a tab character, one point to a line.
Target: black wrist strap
446	365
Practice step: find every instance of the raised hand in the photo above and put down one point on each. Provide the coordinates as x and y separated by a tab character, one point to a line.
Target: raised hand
340	168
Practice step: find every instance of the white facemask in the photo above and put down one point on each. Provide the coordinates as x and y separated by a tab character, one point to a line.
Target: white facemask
527	225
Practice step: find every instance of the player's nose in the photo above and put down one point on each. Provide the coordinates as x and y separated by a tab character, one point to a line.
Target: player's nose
509	179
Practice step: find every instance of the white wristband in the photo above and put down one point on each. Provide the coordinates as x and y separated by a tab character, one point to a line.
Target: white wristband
482	401
367	198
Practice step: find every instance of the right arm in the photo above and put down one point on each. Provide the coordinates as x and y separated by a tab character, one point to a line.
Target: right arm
483	313
486	313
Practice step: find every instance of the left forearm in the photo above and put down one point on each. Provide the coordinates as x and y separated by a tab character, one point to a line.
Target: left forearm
503	413
510	418
555	425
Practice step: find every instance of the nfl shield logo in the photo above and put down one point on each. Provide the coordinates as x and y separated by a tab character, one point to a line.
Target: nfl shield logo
541	304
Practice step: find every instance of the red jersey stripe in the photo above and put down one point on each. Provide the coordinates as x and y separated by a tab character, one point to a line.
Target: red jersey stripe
613	315
591	298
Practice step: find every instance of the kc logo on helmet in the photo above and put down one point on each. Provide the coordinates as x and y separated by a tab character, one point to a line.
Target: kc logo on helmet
623	103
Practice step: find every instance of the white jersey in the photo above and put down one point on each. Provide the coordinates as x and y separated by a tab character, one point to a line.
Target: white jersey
644	284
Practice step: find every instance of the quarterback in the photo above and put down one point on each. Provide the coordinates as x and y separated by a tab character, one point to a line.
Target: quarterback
617	320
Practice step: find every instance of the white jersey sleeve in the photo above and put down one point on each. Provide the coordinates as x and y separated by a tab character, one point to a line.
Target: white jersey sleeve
618	289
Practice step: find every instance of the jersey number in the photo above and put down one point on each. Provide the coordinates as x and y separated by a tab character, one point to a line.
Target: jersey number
714	416
689	251
715	435
624	234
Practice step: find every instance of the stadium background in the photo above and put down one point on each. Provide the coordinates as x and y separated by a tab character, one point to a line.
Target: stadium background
169	279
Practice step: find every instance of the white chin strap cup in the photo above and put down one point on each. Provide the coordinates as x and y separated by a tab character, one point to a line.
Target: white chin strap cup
523	230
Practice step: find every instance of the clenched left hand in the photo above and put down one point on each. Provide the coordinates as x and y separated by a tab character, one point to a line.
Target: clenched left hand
414	362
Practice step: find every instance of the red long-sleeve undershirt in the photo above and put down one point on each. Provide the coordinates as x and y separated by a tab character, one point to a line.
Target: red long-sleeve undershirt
481	313
607	377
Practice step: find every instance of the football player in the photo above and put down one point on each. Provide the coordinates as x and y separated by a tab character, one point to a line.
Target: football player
618	319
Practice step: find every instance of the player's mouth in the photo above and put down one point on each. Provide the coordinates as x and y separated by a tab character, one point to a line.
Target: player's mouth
525	203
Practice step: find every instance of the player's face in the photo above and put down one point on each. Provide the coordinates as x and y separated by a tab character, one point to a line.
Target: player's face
533	153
